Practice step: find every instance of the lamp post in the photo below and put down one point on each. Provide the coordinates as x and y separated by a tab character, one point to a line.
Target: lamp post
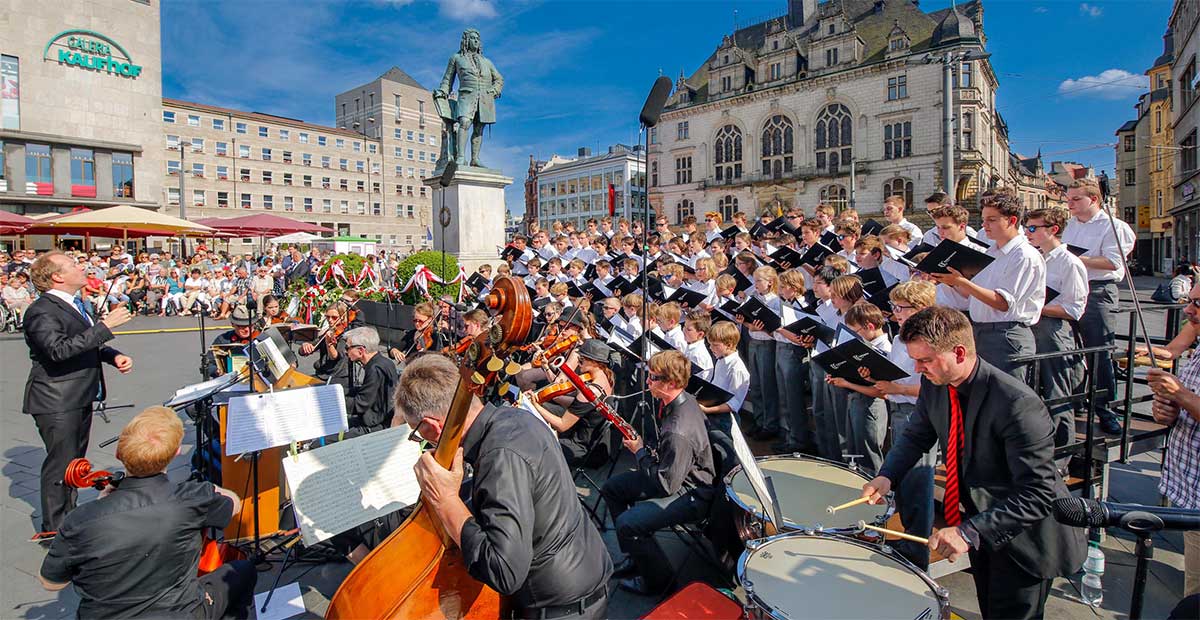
949	60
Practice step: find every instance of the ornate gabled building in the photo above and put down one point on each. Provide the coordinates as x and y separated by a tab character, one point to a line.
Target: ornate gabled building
839	102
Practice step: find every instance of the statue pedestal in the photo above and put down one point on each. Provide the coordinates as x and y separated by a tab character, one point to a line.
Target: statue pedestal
474	215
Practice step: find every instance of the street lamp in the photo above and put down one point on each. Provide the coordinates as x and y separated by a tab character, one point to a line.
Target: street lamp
949	60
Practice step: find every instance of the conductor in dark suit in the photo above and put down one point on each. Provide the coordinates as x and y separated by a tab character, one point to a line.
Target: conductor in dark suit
66	347
998	443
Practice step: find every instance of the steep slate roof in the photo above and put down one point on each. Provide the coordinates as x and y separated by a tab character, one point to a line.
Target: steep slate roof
396	74
873	27
1128	126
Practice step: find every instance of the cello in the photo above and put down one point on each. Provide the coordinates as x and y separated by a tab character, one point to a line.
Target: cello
416	573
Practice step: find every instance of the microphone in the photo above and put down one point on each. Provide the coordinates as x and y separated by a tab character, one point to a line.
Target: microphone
1078	512
655	101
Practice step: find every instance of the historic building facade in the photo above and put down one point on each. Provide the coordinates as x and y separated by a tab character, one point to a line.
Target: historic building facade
80	97
361	178
838	103
1185	121
575	190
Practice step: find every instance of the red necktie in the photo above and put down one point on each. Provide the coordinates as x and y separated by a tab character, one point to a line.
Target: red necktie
953	444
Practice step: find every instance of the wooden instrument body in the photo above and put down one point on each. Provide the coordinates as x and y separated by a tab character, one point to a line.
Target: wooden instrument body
417	574
236	474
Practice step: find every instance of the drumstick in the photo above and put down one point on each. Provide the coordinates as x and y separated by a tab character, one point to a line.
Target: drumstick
862	525
833	509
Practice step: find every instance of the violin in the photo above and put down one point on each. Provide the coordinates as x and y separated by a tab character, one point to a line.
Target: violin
459	348
555	390
556	354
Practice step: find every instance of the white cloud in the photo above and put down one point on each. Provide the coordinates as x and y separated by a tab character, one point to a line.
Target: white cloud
1040	9
1110	84
1090	10
464	10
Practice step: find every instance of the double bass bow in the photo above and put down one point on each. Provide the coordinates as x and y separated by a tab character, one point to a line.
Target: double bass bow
416	573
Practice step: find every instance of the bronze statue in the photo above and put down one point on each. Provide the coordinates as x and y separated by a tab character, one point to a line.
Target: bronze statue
479	86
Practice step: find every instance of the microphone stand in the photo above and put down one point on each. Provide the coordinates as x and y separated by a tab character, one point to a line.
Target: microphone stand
203	345
251	307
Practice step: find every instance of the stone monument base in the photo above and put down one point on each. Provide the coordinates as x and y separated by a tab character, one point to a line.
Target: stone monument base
471	226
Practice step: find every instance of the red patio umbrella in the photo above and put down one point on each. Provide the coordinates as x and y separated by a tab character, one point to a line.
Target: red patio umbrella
262	225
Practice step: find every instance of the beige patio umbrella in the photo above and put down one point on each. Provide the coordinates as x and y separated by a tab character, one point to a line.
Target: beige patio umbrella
125	217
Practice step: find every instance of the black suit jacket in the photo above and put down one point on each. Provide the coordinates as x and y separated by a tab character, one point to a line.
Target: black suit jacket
66	354
370	402
1008	478
298	272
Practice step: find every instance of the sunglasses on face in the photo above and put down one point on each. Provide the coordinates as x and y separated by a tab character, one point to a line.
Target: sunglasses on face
1032	228
657	378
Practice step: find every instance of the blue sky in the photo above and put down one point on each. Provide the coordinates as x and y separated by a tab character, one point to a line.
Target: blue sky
577	71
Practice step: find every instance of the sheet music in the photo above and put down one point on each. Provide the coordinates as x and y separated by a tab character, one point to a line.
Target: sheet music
750	466
270	419
345	484
194	392
524	405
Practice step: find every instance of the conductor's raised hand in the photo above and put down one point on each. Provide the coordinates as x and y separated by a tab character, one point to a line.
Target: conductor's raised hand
117	317
876	490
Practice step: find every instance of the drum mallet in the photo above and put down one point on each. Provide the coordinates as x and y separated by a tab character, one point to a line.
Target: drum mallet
862	525
833	509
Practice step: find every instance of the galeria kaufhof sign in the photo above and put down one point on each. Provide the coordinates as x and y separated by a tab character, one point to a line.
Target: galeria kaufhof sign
90	50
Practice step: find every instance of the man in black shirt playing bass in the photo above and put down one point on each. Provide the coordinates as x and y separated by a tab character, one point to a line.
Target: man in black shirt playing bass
134	551
525	536
669	487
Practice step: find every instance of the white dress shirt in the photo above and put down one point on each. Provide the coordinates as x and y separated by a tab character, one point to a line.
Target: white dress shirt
914	232
730	374
899	356
1096	235
1019	276
698	354
933	237
1066	274
674	337
70	300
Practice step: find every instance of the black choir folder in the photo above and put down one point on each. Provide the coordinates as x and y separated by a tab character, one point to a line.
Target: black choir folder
845	359
808	326
968	261
755	310
706	393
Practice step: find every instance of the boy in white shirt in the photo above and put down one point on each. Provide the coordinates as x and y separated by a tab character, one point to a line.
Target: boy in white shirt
695	326
866	414
729	374
668	316
914	494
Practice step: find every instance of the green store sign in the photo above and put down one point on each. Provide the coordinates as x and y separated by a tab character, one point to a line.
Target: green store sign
90	50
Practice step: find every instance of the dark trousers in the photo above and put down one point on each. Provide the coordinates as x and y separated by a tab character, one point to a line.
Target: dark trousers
914	493
1058	376
1000	343
595	611
791	377
65	436
764	391
228	591
1097	329
1005	590
829	439
638	516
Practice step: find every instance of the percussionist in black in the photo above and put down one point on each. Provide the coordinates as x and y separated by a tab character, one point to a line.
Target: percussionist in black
525	535
668	488
134	551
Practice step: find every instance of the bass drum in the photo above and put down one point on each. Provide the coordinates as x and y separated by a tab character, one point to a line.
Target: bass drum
833	577
805	487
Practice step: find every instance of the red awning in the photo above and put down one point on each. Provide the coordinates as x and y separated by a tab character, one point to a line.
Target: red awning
261	225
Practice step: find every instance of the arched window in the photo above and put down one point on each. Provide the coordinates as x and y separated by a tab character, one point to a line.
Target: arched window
683	209
728	155
727	206
777	146
835	134
900	187
834	196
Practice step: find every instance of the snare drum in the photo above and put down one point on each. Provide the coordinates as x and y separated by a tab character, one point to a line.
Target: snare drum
805	487
829	576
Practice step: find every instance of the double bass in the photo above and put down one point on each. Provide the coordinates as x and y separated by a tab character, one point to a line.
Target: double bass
417	573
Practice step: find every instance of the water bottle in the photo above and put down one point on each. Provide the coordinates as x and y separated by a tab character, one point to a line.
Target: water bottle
1092	590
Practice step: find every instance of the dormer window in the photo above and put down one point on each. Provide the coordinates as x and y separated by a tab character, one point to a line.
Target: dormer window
832	28
897	44
726	58
775	44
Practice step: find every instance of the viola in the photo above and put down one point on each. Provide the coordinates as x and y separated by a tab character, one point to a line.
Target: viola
556	354
562	388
